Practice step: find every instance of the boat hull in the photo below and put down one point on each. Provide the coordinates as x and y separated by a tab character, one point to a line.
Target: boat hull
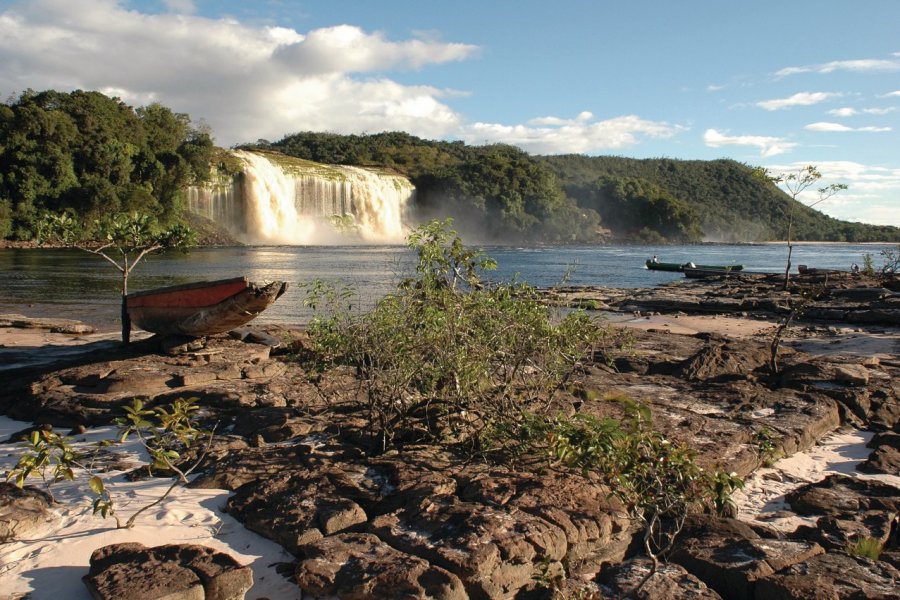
705	272
202	308
678	267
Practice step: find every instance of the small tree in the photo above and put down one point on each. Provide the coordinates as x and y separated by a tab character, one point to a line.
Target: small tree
795	183
125	239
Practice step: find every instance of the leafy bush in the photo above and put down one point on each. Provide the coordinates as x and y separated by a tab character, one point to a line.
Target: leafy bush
163	431
43	451
448	354
657	479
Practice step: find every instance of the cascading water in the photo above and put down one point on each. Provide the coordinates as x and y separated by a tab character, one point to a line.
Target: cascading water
297	202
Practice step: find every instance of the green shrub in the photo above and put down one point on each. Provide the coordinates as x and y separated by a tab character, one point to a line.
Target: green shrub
448	355
45	454
658	479
164	431
867	547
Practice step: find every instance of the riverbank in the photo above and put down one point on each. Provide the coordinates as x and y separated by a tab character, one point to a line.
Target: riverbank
293	468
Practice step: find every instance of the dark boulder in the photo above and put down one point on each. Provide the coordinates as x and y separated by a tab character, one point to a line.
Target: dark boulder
169	572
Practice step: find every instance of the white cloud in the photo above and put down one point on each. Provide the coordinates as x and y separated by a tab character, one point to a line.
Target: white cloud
798	99
880	111
892	94
768	146
872	65
867	198
852	112
246	81
837	127
554	135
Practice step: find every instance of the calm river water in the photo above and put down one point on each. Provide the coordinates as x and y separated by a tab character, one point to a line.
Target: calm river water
76	285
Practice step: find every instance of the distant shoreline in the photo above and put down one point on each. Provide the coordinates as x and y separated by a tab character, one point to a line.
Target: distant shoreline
31	245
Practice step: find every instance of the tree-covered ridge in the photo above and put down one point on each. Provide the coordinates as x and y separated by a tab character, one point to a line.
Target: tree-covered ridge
94	155
512	194
91	155
725	199
495	192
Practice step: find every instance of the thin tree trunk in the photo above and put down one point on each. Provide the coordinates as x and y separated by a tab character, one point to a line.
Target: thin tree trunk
126	319
787	269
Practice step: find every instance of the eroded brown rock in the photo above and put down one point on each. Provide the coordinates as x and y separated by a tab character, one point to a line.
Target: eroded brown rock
832	576
494	552
23	511
359	566
670	582
169	572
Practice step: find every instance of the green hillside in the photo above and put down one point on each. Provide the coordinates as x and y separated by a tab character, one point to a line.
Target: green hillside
506	193
90	155
721	197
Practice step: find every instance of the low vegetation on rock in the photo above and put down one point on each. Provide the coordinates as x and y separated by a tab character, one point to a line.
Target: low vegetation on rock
454	359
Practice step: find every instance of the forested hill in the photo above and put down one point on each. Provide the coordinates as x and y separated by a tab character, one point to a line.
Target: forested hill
723	198
92	155
503	192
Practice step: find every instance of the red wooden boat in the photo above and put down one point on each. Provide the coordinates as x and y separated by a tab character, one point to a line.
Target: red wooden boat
201	308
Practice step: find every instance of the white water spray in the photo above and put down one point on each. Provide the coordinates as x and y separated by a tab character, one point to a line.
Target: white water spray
294	203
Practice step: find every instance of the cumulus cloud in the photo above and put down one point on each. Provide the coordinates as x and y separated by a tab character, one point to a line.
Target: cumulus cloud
553	135
870	65
768	146
798	99
865	200
837	127
842	112
245	81
892	94
880	111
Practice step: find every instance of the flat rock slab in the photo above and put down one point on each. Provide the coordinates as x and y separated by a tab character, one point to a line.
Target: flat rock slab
23	511
838	495
596	526
494	552
359	566
733	565
170	572
832	576
53	325
670	582
222	372
885	458
295	508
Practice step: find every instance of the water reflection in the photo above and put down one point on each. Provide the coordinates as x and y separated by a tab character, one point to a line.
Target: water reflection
75	284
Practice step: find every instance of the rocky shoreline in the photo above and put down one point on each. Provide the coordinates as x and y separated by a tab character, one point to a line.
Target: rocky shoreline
293	447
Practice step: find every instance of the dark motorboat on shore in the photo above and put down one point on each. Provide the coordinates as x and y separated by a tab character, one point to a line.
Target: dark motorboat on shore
679	267
201	308
703	273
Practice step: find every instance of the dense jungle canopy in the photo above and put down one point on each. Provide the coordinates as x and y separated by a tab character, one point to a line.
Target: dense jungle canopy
91	154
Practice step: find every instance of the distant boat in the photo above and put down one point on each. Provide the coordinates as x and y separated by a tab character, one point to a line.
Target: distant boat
679	267
201	308
702	273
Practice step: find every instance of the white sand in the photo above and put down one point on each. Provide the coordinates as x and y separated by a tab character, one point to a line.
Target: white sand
51	564
762	498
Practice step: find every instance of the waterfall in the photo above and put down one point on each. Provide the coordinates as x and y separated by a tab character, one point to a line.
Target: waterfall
298	202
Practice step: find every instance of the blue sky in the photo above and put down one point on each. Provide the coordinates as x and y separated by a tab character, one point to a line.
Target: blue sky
778	84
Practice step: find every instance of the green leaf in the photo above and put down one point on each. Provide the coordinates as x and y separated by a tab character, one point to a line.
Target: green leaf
96	484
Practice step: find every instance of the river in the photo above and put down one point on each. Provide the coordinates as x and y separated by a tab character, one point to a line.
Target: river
76	285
